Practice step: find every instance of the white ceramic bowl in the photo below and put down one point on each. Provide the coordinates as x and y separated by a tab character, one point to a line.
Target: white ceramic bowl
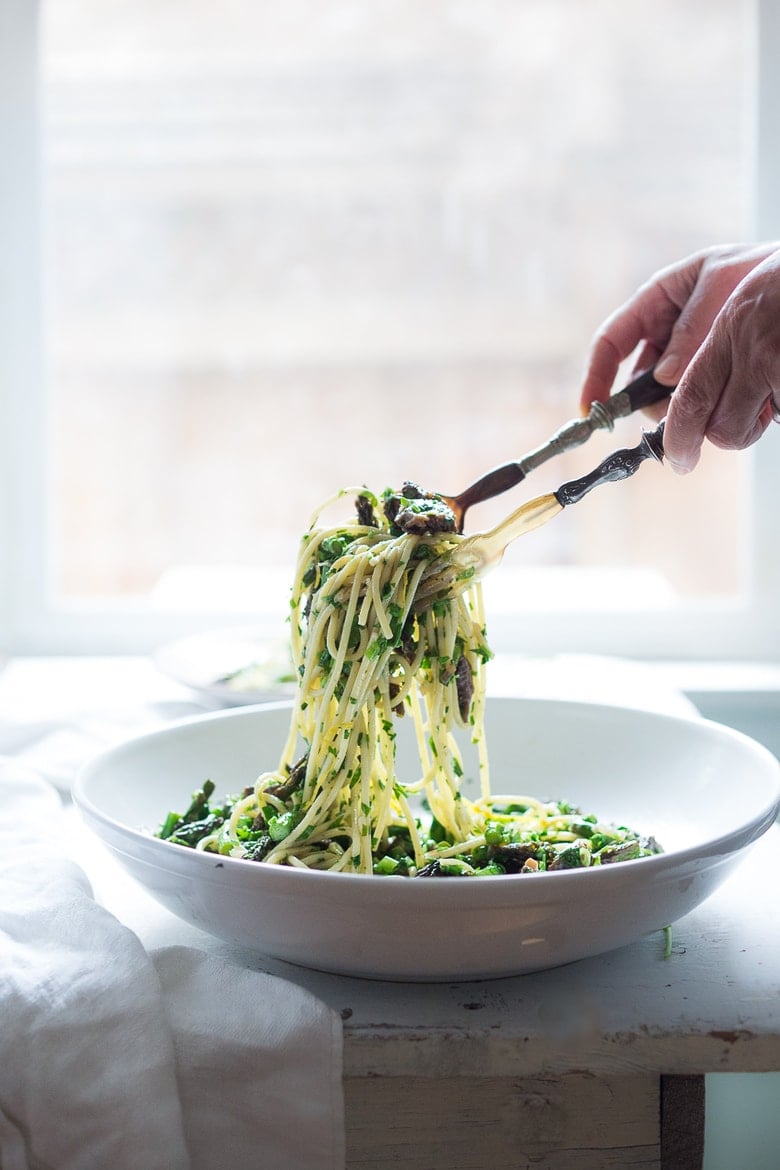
706	792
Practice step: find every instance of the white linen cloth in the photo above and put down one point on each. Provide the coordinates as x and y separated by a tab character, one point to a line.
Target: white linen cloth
114	1056
87	1069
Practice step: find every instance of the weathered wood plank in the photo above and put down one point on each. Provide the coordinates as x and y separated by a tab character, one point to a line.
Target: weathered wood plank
572	1122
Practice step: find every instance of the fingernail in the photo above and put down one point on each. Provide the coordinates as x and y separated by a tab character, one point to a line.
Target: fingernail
678	467
668	367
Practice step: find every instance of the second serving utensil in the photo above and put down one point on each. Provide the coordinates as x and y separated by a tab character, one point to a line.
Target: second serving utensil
642	392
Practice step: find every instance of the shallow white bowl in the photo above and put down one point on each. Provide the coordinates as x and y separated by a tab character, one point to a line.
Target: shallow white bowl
706	792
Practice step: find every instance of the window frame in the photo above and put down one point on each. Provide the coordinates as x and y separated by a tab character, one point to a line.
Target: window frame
33	622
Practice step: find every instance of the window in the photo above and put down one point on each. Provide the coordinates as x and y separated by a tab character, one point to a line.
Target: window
288	248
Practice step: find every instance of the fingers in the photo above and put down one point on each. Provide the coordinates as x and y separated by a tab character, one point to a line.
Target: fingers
647	317
721	272
691	328
729	390
670	315
691	408
690	420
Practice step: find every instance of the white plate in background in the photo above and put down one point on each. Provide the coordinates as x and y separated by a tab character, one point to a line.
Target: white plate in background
234	666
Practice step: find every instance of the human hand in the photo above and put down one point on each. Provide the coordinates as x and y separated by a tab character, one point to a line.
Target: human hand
711	326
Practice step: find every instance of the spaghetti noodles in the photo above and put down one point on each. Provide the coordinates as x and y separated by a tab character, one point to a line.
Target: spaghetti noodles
386	625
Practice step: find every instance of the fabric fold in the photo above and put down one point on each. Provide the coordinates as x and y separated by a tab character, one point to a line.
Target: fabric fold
87	1067
112	1057
259	1065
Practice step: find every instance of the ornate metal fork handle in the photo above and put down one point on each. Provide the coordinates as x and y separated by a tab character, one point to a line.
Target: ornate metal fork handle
618	465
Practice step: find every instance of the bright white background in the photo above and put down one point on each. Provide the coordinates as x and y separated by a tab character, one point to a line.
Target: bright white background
389	244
